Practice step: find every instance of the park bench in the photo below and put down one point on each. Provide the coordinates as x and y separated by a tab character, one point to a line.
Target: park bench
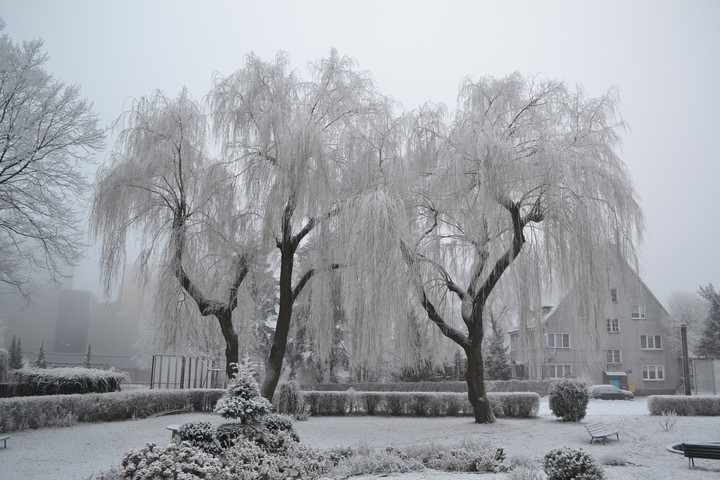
701	450
600	431
4	439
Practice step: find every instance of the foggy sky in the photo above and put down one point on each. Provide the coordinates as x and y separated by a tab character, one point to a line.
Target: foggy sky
662	55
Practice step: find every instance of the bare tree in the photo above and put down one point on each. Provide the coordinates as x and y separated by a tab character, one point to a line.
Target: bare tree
687	309
521	189
197	240
47	132
297	145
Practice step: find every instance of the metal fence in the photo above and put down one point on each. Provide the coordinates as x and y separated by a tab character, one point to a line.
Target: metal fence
180	372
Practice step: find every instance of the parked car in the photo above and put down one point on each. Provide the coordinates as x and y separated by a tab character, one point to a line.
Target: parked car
610	392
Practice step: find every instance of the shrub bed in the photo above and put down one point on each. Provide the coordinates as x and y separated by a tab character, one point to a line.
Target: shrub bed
541	387
699	405
417	404
21	413
67	381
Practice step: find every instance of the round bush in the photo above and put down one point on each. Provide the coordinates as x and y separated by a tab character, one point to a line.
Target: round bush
569	399
201	435
568	464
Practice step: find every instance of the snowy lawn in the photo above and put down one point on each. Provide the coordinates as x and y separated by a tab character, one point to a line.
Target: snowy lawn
78	452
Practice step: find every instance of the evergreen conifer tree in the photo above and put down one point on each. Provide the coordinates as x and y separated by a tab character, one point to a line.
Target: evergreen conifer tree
16	356
497	361
41	361
242	400
709	344
88	357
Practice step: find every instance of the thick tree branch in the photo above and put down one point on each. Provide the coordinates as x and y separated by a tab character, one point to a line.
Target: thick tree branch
306	278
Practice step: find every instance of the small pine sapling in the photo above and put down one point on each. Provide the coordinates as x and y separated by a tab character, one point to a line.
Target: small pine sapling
242	400
41	361
87	363
16	355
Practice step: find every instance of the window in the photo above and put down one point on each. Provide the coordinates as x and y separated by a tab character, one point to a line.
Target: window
613	326
651	342
638	312
558	340
653	373
558	371
613	356
613	295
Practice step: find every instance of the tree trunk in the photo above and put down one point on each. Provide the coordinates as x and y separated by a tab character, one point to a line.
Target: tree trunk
476	384
232	348
282	328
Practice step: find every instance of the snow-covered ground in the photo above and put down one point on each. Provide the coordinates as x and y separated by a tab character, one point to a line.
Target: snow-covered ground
78	452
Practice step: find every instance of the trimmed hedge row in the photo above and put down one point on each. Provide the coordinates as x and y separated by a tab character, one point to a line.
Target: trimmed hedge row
21	413
698	405
67	381
417	404
541	387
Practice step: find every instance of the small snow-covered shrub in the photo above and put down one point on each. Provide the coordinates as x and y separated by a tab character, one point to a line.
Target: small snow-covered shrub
613	459
247	460
469	455
242	400
568	399
67	381
682	405
515	405
289	399
201	435
369	461
276	422
668	420
228	433
526	473
175	462
568	464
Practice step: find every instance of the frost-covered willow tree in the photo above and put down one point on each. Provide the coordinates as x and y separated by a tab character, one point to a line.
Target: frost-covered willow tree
186	209
297	146
522	188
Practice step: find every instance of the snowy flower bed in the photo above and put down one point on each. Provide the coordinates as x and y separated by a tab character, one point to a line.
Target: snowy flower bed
419	404
698	405
63	381
21	413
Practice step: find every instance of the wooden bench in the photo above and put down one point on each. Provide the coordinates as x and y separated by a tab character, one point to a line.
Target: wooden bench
4	439
700	450
600	431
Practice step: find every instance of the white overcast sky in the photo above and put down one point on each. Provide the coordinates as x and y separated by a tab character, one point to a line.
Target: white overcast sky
664	56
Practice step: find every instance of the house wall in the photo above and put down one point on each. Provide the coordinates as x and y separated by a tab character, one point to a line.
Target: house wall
586	355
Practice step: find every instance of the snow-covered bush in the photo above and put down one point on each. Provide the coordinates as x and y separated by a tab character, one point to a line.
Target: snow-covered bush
174	462
247	460
201	435
568	399
276	422
21	413
289	399
541	387
228	433
242	400
697	405
568	464
469	455
369	461
67	381
526	473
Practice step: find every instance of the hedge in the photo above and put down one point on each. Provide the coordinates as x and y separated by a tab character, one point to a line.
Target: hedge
66	381
417	404
698	405
21	413
540	387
